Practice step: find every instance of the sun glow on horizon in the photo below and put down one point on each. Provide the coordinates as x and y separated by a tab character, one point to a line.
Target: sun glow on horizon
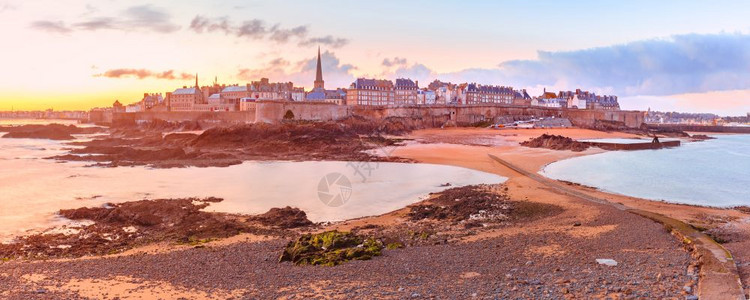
57	51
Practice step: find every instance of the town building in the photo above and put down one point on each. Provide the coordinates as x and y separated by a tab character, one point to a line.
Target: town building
426	97
405	92
234	92
588	100
118	107
445	92
280	91
152	100
550	99
134	107
521	98
370	92
185	98
484	94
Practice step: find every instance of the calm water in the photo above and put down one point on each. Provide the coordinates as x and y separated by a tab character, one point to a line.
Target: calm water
714	172
32	189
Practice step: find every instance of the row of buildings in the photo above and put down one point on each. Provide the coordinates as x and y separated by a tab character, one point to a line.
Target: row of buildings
362	92
45	114
578	100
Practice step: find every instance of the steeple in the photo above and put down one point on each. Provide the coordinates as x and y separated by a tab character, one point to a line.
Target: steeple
319	83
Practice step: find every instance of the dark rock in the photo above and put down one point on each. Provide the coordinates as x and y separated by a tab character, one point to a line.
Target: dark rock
287	217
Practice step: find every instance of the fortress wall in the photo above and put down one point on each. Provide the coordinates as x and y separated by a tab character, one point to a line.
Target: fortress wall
181	116
274	111
438	115
586	118
430	116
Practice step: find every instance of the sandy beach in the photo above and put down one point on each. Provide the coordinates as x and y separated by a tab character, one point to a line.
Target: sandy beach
549	257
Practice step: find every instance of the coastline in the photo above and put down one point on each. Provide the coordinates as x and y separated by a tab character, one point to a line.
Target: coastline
534	160
469	148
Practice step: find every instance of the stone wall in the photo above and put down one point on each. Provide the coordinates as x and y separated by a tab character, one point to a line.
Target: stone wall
586	117
274	111
224	117
430	116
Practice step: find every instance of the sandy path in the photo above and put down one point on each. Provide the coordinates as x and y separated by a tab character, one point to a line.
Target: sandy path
470	147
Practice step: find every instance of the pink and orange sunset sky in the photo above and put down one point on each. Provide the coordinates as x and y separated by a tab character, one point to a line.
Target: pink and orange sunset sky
667	55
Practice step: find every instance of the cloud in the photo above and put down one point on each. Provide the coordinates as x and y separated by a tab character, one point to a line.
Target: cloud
253	29
143	17
418	72
691	63
258	29
328	40
96	24
201	24
143	73
7	7
51	27
335	74
149	18
396	61
283	35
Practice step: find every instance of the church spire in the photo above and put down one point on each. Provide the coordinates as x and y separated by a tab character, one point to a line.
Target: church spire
319	83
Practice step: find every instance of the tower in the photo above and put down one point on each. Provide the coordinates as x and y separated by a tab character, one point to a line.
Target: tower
196	80
319	83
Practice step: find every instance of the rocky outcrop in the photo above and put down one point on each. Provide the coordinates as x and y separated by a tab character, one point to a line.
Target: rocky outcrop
50	131
555	142
223	146
330	248
286	217
479	204
118	227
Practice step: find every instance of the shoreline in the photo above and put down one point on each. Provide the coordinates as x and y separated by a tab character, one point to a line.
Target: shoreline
685	213
456	152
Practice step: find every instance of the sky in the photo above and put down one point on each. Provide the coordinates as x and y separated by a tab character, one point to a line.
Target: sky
691	56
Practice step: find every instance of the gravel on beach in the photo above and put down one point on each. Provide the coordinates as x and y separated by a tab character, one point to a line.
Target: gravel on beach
650	264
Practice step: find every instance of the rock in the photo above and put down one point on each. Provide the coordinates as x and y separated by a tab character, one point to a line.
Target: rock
606	262
330	248
50	131
287	217
555	142
691	297
577	223
688	289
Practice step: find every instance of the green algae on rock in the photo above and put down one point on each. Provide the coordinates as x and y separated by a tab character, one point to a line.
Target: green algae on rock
330	248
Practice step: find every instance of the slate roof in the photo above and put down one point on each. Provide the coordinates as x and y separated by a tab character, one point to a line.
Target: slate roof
185	91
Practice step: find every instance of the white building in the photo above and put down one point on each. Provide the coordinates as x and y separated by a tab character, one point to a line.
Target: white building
426	97
576	102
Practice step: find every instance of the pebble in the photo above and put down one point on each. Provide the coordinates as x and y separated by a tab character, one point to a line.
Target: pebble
606	262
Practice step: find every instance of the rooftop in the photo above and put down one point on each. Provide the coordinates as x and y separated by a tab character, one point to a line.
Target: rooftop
185	91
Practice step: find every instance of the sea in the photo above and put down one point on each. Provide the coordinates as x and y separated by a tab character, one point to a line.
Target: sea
710	173
33	188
